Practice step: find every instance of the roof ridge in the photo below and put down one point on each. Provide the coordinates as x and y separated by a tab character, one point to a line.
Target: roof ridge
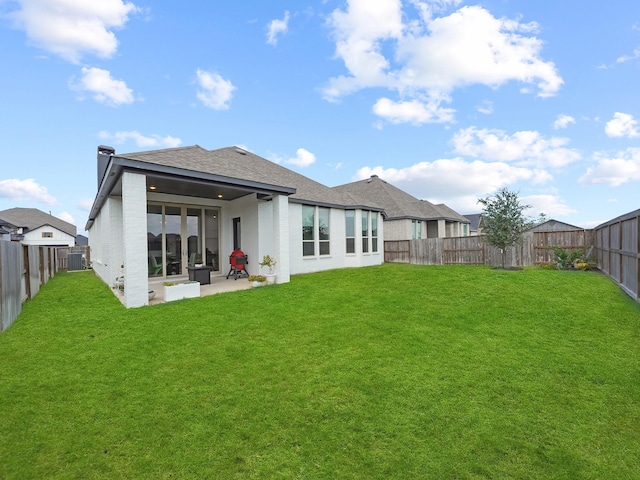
160	150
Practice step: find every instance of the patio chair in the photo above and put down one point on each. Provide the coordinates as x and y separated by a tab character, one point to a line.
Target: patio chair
154	267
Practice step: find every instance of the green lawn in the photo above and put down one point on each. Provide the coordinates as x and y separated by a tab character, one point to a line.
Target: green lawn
396	371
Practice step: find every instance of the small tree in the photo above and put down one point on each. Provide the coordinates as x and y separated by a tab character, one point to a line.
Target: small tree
503	221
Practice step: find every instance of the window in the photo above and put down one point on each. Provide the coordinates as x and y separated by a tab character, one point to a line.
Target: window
416	229
365	231
374	232
47	234
323	230
350	228
308	224
315	234
465	230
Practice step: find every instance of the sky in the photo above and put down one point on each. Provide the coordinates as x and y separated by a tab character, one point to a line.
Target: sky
449	100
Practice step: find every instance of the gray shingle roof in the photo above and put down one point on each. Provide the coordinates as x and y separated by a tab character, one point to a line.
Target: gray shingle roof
398	203
32	218
234	162
474	218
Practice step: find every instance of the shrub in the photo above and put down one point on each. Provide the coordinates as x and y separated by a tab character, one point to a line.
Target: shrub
547	266
566	257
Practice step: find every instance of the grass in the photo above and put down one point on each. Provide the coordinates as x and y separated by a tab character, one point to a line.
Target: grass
396	371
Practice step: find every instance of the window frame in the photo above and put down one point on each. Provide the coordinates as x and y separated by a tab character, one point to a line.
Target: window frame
324	231
350	227
316	238
308	231
365	229
374	231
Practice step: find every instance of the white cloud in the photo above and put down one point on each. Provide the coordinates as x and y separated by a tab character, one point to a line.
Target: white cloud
85	204
432	57
303	158
215	92
626	58
563	121
67	217
413	111
621	168
550	205
103	87
27	189
71	28
456	182
525	147
486	107
622	125
277	27
358	33
141	140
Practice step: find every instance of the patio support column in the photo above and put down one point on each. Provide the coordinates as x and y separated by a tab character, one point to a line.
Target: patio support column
134	229
281	237
442	228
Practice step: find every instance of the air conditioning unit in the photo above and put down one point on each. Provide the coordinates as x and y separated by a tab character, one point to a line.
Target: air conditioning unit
75	262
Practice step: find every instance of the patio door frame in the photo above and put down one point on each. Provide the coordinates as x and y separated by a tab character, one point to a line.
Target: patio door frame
184	235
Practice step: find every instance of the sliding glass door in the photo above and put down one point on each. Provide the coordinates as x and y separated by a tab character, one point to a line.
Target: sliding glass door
173	240
179	237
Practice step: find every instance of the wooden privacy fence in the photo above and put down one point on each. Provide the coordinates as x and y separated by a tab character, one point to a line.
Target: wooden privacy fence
23	269
534	249
63	255
618	244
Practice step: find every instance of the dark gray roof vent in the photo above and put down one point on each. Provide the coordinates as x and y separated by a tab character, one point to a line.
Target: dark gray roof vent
240	151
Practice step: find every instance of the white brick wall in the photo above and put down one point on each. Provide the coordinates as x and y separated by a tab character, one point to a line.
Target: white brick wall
397	229
280	235
338	257
134	222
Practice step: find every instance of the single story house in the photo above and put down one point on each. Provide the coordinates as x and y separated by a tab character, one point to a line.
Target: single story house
35	227
407	217
552	225
158	212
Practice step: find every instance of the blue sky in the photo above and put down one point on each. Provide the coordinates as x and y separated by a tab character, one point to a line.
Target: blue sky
447	99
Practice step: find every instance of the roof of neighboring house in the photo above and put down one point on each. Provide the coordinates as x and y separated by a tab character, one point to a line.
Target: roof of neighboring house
4	223
474	218
32	218
82	240
397	203
554	225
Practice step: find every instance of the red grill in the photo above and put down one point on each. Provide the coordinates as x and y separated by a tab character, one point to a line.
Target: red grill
238	264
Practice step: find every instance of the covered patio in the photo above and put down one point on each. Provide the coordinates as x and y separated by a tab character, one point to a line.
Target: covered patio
219	284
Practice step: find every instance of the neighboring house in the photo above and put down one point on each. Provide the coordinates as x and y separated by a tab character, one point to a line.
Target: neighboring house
475	225
554	226
407	217
6	230
35	227
81	240
158	212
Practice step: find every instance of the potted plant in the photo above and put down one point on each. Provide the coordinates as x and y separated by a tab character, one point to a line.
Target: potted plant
269	262
119	282
178	291
257	280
